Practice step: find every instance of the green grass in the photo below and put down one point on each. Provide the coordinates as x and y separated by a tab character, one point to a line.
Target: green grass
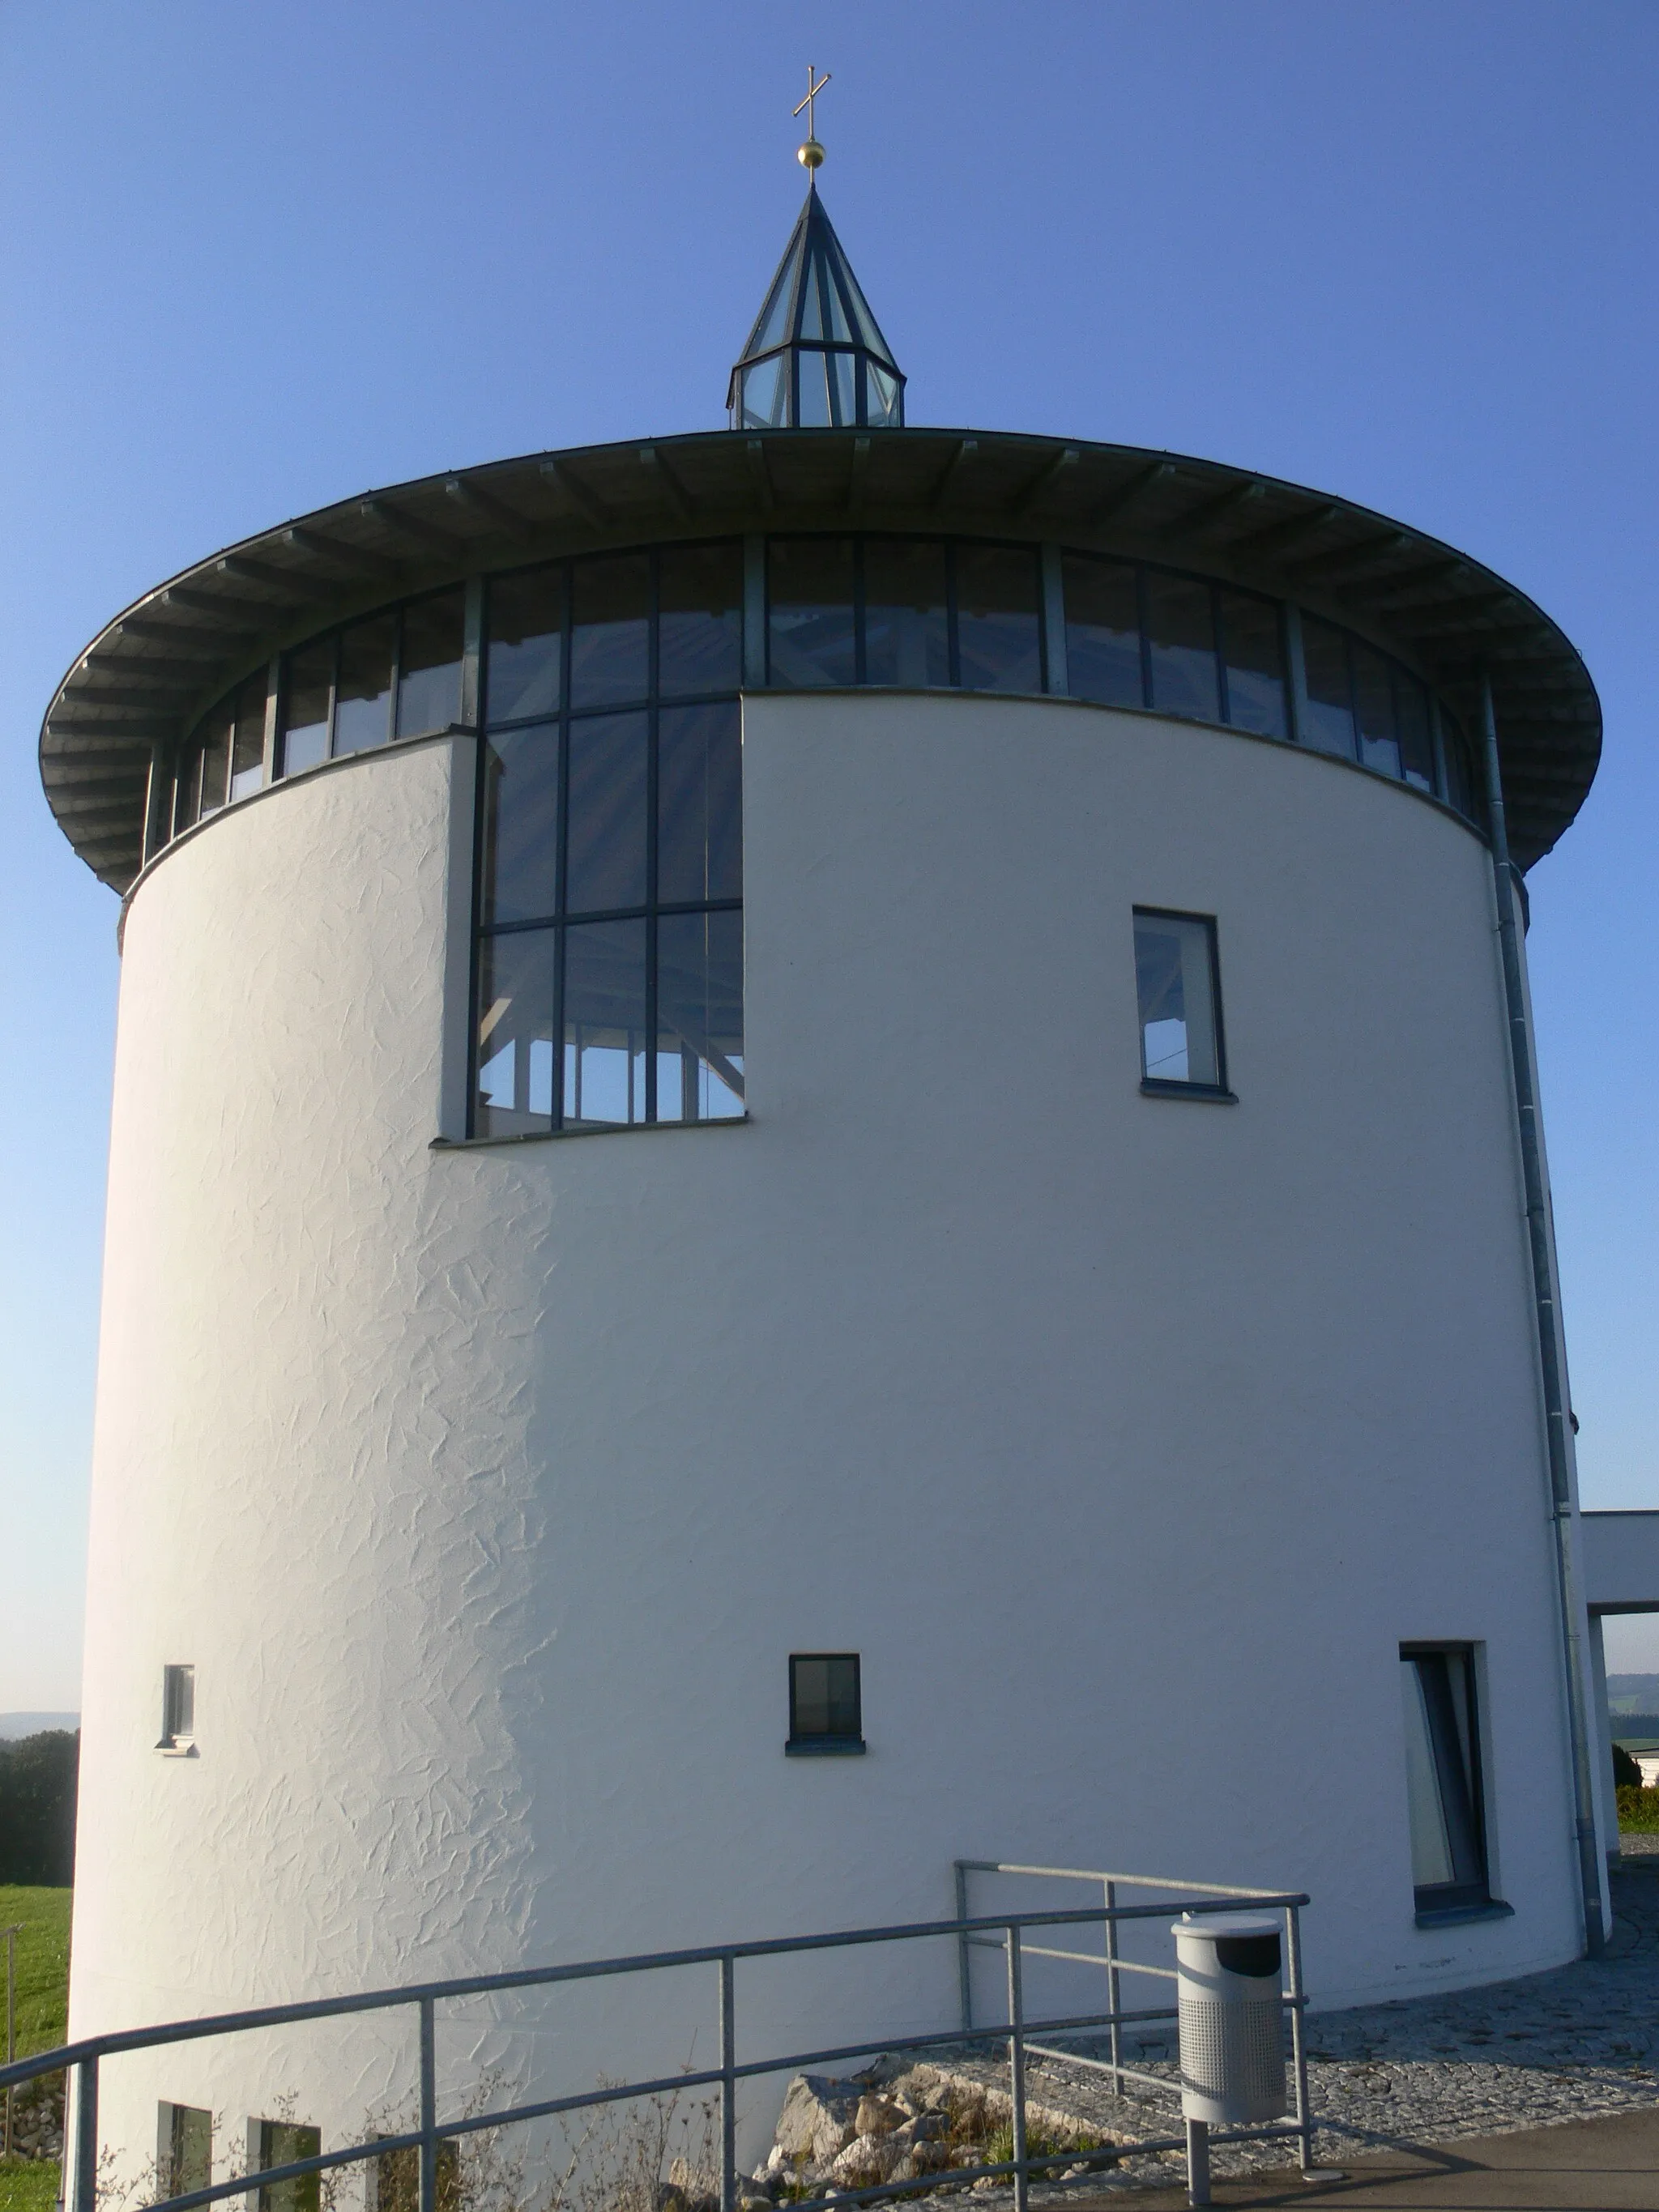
1639	1815
28	2184
42	1970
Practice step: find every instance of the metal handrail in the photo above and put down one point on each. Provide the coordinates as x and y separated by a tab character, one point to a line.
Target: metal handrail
84	2055
1292	2000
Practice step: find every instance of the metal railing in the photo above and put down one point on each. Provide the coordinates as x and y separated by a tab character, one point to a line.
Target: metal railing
1196	2138
1008	1930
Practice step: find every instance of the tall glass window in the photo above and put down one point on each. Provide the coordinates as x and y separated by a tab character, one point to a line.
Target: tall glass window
609	977
1103	631
1442	1778
1177	984
1181	646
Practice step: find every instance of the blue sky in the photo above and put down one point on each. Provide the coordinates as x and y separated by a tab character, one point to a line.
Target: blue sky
257	258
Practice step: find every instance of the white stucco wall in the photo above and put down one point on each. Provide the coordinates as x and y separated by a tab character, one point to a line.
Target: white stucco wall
488	1489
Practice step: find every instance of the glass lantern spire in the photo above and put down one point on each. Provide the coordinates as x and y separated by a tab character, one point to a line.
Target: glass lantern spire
816	356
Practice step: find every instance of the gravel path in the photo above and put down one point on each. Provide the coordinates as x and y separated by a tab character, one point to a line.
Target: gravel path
1574	2043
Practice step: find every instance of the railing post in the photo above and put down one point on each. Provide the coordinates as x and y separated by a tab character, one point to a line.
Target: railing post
1017	2067
1198	2161
728	2084
964	1957
1298	2043
1112	1986
86	2135
428	2107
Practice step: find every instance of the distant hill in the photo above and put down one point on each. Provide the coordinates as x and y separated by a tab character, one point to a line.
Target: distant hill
1633	1693
12	1725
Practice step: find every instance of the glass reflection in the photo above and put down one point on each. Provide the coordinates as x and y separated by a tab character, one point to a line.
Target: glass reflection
1103	632
1254	651
520	803
699	619
810	637
1181	641
1328	720
1373	705
362	690
248	759
524	646
1411	704
907	637
605	1031
429	663
700	1016
699	804
307	684
215	771
610	630
513	1052
999	627
605	858
1175	983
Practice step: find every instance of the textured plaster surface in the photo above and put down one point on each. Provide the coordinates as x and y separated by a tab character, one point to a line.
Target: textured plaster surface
488	1490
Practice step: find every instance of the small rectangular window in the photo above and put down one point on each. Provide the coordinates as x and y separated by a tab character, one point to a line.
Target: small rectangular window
184	2148
178	1706
1442	1779
283	2143
1178	985
825	1707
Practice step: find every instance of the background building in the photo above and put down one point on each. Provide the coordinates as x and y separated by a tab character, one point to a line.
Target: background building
1044	1347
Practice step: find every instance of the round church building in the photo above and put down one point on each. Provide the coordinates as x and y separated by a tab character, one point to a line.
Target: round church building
824	1159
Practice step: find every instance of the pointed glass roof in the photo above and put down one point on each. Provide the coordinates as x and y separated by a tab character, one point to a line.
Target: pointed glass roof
816	356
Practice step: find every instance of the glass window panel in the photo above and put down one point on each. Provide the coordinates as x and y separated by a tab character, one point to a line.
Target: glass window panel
999	627
1373	701
247	758
187	787
775	316
700	618
1175	982
520	805
216	762
186	2144
823	1696
699	804
700	1016
811	307
1328	721
765	393
844	373
884	396
1181	633
307	678
1411	709
524	639
906	613
514	1050
1103	631
429	663
813	369
1254	645
1461	784
810	611
362	689
178	1702
610	630
839	327
1443	1798
281	2142
606	851
604	1033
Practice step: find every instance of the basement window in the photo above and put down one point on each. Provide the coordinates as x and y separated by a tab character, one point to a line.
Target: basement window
826	1712
177	1709
1443	1793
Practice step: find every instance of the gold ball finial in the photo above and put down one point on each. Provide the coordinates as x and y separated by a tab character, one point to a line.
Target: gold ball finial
811	155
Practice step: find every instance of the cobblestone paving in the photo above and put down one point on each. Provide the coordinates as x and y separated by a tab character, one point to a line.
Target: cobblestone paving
1574	2043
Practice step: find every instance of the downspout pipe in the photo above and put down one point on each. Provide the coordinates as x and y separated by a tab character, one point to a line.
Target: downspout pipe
1550	1352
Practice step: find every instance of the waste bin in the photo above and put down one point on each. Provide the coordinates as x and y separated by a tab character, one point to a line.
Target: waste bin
1232	2034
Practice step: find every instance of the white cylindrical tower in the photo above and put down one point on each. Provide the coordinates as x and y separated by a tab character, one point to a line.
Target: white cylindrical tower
1037	1361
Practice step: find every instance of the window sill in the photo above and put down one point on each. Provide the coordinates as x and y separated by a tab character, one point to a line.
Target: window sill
1153	1086
825	1747
595	1129
182	1746
1448	1915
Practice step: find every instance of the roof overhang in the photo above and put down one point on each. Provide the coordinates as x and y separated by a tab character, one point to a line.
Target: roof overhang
144	680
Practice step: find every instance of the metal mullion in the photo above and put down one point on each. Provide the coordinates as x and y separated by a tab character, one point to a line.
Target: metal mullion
652	676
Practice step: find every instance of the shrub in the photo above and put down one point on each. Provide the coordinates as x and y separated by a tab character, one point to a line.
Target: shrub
1638	1810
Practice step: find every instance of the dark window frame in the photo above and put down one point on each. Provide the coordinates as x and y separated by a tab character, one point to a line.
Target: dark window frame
560	919
1471	1897
1166	1086
820	1744
178	1705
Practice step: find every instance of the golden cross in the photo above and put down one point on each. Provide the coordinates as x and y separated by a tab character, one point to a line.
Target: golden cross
812	92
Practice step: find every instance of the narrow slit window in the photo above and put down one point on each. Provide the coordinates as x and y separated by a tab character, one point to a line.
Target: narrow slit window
826	1708
1443	1780
184	2148
178	1706
1177	986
